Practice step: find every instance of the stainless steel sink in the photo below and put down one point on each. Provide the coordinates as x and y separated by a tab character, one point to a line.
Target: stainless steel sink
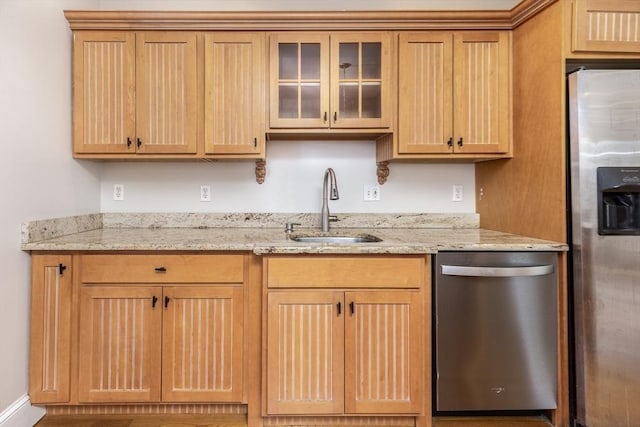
335	238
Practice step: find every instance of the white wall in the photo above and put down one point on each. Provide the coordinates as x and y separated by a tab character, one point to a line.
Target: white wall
293	183
38	178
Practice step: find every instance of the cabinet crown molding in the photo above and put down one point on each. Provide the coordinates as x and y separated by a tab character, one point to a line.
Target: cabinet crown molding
304	20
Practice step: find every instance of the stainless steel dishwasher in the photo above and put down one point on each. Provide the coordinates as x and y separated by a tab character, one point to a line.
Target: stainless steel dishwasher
495	331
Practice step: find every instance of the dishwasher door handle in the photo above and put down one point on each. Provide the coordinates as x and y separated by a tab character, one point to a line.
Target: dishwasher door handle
461	270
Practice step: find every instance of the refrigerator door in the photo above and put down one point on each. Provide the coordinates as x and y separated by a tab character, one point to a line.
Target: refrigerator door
604	132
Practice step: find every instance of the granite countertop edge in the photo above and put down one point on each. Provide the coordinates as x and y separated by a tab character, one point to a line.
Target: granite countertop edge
143	232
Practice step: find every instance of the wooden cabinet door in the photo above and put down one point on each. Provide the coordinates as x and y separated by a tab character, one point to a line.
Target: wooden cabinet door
234	93
103	92
384	352
299	80
482	92
51	281
166	92
606	26
119	345
305	358
202	352
360	76
425	102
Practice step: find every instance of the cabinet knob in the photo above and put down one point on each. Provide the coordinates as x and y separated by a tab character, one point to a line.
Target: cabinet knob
154	300
138	142
166	302
61	269
460	143
128	142
335	116
450	142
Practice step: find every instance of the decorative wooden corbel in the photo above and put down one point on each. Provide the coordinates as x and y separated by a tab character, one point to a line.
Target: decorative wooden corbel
261	170
383	172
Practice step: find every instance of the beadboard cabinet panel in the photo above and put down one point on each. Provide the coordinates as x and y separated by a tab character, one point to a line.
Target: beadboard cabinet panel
235	73
50	352
202	338
120	344
103	92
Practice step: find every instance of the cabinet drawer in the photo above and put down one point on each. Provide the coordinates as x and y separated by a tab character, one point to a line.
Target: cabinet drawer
345	272
162	269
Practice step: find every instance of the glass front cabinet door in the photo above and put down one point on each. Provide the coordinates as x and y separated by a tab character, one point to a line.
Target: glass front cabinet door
330	81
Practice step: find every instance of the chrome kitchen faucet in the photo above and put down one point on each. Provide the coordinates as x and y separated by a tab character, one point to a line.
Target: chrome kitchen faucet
328	194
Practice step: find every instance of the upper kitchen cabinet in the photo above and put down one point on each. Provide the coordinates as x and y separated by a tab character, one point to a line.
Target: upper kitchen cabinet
606	26
334	81
134	93
235	73
454	93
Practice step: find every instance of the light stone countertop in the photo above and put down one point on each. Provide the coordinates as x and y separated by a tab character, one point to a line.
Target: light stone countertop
257	233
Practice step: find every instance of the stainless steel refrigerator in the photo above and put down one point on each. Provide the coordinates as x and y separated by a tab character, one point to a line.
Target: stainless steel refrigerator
604	118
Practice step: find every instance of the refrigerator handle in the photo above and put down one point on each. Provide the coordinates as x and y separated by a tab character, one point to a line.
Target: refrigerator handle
460	270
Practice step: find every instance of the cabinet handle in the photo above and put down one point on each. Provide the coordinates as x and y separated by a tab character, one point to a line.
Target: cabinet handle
166	302
61	268
128	142
339	308
154	300
255	142
160	269
138	142
352	307
450	142
335	116
325	117
460	142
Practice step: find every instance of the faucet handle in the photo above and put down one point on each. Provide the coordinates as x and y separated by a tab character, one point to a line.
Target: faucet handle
333	218
288	228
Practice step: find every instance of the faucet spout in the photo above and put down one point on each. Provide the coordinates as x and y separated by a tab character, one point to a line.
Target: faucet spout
329	192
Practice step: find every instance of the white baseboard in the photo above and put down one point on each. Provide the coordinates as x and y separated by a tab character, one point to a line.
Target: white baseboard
21	414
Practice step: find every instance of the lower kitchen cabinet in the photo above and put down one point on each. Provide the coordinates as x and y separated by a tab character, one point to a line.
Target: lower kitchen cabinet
50	355
331	352
143	328
150	344
338	350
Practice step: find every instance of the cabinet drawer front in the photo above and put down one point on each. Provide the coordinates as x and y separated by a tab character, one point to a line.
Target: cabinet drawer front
345	272
162	269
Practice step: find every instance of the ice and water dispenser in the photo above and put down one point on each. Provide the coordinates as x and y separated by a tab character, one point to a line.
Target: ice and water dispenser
618	200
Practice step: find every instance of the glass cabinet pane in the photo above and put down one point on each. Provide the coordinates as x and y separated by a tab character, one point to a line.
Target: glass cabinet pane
371	60
371	101
288	61
310	61
349	63
310	100
288	101
360	74
349	101
299	76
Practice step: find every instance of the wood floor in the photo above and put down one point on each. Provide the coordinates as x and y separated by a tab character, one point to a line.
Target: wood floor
240	421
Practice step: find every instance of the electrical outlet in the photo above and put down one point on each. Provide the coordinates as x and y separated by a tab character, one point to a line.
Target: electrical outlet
371	193
205	193
458	193
118	191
